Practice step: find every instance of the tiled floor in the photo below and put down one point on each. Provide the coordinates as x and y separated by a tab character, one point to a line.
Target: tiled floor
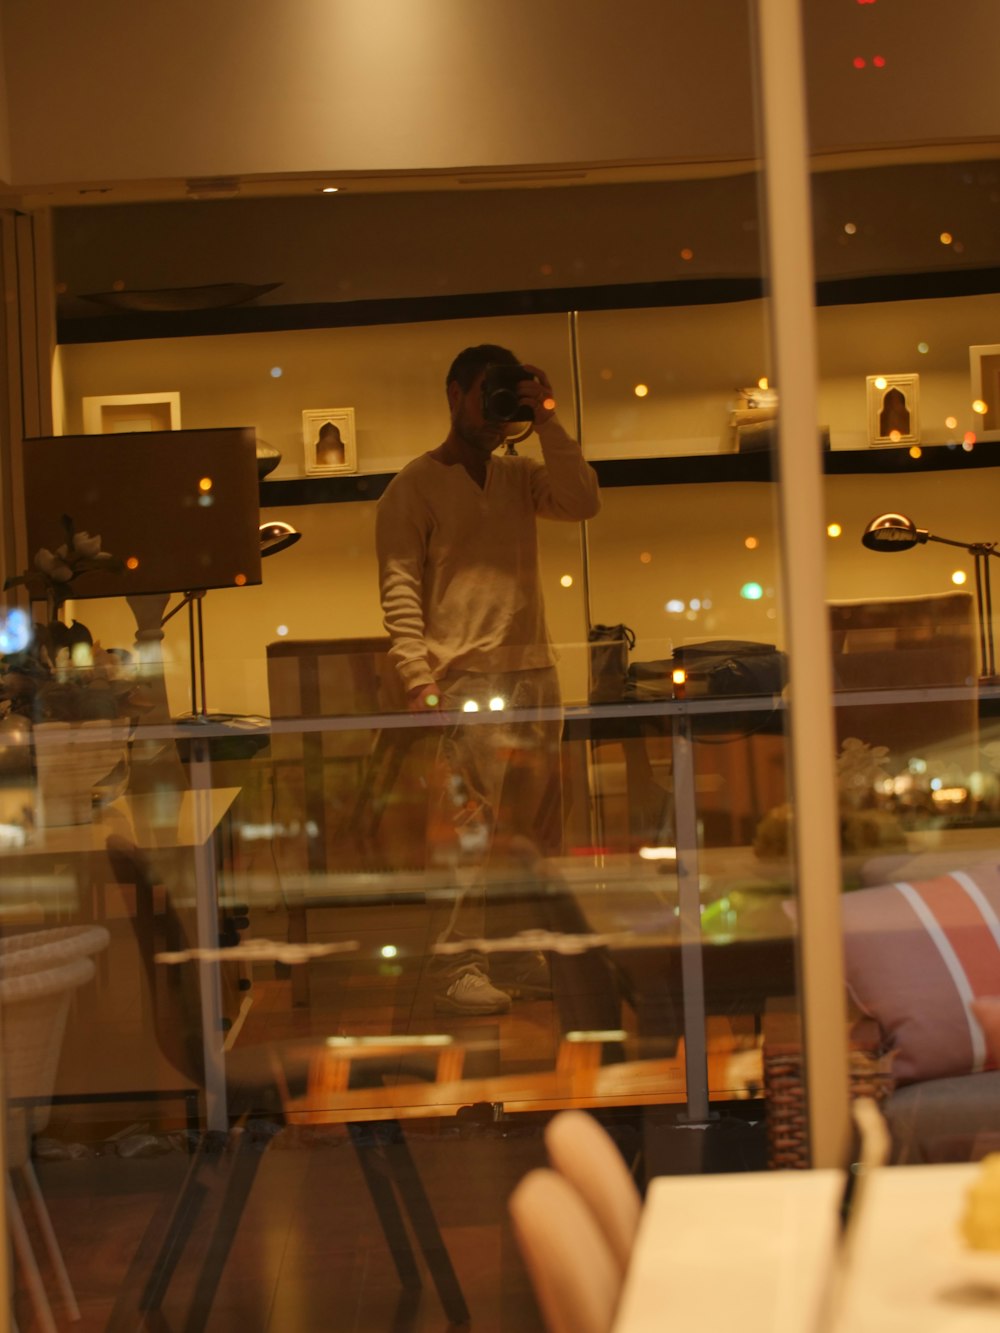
308	1252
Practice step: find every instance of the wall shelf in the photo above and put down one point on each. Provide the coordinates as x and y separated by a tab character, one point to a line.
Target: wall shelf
128	326
696	469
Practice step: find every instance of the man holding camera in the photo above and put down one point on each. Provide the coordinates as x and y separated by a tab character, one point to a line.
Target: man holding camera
462	602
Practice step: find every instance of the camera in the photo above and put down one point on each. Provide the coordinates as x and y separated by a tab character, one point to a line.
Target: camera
500	397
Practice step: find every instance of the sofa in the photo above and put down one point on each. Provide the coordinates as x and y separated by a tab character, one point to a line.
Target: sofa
922	957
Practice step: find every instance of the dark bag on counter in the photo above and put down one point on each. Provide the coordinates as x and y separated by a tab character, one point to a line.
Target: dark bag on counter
609	649
732	666
650	680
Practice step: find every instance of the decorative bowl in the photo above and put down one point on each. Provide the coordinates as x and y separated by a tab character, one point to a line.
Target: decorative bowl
215	296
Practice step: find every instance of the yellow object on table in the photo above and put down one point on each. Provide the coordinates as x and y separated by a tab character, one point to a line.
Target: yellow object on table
981	1220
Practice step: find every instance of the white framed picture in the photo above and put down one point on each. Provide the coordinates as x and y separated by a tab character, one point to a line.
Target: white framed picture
125	413
893	410
984	367
328	436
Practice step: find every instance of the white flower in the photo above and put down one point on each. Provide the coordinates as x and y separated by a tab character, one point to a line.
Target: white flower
860	768
54	565
84	544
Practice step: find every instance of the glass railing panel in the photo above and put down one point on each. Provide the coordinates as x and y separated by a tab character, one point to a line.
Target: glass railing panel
910	638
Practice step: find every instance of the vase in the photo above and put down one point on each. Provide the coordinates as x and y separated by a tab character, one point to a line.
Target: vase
71	759
268	459
60	635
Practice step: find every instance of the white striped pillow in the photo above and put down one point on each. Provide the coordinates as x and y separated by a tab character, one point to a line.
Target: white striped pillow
918	955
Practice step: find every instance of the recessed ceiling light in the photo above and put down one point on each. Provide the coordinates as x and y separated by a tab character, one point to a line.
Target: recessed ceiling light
330	189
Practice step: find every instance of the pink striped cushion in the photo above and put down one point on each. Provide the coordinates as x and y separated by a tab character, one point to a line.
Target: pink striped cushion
917	956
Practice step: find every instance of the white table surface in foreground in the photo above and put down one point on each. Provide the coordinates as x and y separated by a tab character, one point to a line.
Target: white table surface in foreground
909	1271
752	1251
171	819
160	819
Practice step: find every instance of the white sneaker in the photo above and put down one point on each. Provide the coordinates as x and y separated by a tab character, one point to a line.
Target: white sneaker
524	976
472	993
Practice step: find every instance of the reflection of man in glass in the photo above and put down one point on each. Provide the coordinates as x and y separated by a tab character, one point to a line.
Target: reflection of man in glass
329	446
462	601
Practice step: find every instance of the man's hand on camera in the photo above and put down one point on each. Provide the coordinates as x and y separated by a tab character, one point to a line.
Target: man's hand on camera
422	697
537	393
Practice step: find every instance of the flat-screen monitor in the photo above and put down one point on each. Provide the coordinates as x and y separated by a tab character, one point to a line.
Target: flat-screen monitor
183	505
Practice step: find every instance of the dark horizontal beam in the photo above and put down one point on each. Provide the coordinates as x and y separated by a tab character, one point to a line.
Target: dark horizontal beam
126	326
692	469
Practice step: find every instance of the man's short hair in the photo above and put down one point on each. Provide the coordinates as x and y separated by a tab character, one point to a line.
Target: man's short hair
468	364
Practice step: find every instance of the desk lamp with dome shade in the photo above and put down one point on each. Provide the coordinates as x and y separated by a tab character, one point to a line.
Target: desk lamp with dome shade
275	536
896	532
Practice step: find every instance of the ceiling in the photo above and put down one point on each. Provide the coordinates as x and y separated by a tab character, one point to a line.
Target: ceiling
371	97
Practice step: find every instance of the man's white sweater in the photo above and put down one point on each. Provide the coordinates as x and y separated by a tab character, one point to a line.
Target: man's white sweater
458	564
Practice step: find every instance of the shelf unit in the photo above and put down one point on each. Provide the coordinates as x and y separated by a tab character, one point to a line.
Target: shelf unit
697	469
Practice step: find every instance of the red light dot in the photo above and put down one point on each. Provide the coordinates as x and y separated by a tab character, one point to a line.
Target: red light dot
859	62
879	62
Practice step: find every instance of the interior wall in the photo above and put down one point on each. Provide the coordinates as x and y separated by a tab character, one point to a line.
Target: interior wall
355	246
669	561
392	375
352	246
692	360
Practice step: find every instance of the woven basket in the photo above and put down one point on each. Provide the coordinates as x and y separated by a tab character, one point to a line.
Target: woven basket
33	1010
37	950
870	1074
39	970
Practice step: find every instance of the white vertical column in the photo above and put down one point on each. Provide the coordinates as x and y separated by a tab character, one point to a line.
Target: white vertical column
802	522
691	937
27	337
209	970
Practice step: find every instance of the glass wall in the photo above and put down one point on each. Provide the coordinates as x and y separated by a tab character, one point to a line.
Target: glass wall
294	974
316	809
911	634
357	882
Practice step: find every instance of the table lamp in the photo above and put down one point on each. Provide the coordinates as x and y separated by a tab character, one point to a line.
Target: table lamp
274	537
896	532
277	535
